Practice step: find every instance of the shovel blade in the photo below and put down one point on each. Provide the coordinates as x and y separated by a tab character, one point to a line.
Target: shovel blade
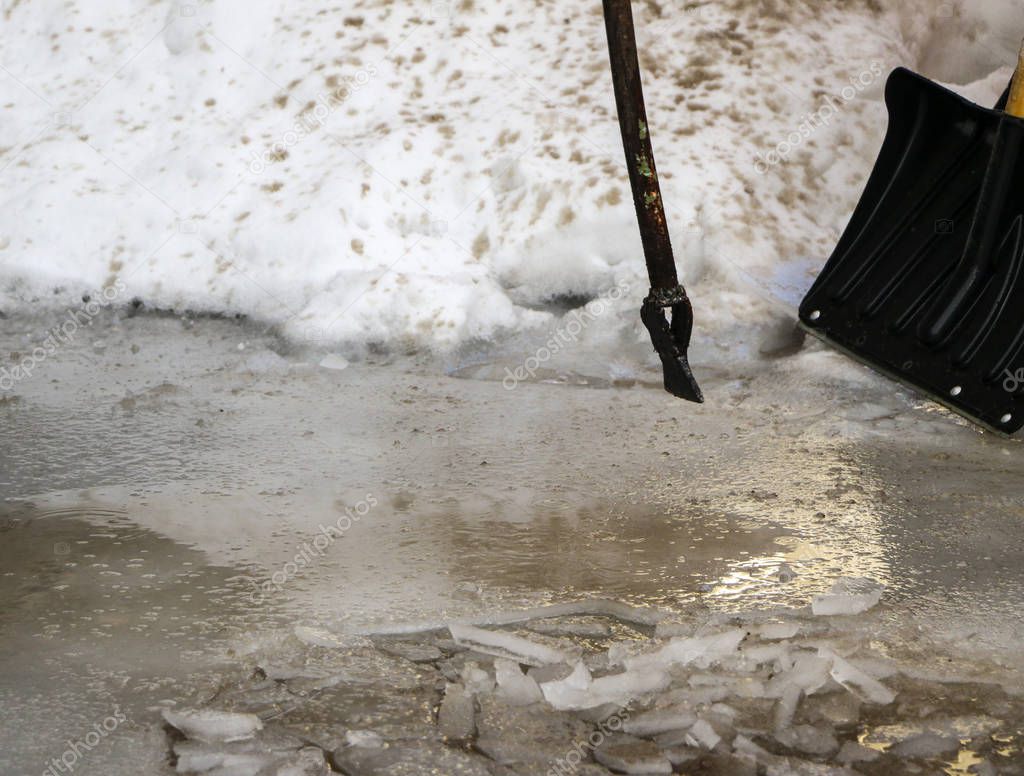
906	252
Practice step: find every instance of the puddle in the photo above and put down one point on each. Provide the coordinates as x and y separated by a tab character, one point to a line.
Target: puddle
101	613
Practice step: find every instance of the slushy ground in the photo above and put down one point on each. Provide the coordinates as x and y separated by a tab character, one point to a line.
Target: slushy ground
159	474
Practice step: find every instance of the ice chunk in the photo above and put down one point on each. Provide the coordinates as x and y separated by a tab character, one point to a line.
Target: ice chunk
722	724
777	631
306	762
595	607
318	637
600	714
701	651
580	691
849	595
410	758
334	361
200	757
699	693
276	740
785	709
743	745
652	723
684	755
551	673
365	738
621	688
926	745
621	651
856	681
626	754
211	726
724	710
533	736
774	765
748	687
573	627
570	692
820	741
667	630
777	654
881	668
673	738
703	735
475	679
707	680
838	709
506	645
514	686
809	672
225	763
456	718
708	689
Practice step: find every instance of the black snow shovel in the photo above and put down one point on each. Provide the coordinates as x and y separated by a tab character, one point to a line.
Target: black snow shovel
926	283
670	335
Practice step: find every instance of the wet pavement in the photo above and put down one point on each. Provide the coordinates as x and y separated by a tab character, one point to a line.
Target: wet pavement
180	496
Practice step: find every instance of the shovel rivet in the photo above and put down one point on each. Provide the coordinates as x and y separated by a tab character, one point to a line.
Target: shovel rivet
957	390
1006	418
815	315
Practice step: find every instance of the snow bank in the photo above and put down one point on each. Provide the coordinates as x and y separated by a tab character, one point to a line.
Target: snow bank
433	174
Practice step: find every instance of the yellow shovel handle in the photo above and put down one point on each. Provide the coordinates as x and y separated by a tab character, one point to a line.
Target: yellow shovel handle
1015	104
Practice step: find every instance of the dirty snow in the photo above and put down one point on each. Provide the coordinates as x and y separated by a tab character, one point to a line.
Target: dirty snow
436	174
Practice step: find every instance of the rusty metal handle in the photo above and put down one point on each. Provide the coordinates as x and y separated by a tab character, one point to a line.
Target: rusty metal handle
671	339
636	140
